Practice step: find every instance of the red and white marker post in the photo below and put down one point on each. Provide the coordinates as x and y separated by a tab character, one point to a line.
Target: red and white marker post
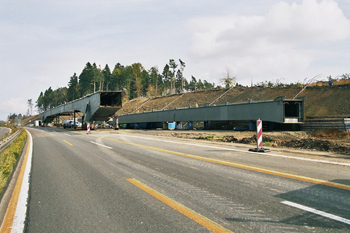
88	128
259	141
259	133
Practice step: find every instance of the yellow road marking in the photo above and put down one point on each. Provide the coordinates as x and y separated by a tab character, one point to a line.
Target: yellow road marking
68	143
198	218
242	166
11	209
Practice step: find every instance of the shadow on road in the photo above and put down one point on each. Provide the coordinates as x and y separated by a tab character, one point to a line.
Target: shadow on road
331	200
334	201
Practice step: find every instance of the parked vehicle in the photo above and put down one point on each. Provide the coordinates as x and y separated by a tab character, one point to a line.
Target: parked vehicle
70	124
66	124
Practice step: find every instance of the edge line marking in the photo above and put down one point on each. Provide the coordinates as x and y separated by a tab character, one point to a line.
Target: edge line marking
191	214
14	217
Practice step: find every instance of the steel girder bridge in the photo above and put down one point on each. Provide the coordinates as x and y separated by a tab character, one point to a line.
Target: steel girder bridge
281	111
98	106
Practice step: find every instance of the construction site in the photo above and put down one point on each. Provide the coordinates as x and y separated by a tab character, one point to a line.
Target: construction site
324	123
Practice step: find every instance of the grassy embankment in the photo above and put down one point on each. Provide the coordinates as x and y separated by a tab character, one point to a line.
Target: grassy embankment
9	157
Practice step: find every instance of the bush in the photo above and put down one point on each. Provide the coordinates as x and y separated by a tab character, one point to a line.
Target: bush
9	157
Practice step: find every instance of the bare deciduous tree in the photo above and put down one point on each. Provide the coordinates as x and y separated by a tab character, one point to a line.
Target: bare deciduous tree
228	80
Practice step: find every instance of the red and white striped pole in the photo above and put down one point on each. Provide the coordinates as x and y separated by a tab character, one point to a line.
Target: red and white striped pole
259	141
88	128
259	133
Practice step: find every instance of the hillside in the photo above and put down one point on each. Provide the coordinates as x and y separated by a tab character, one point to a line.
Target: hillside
321	100
30	119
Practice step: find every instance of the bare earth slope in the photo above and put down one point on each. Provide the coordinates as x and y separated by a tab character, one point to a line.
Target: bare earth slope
321	100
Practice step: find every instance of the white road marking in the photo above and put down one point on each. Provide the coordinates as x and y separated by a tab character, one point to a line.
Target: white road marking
318	212
21	209
67	134
101	145
244	151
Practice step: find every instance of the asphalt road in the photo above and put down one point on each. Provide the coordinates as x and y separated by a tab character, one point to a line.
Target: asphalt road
3	131
121	182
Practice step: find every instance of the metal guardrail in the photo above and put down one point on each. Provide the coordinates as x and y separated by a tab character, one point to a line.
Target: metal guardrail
8	140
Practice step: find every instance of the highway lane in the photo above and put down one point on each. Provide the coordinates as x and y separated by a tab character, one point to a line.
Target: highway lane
3	131
127	183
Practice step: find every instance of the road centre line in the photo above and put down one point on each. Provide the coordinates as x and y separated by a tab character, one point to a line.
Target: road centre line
237	165
245	151
68	143
318	212
198	218
102	145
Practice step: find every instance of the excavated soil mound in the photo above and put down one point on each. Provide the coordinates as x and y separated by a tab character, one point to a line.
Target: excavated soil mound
316	144
321	140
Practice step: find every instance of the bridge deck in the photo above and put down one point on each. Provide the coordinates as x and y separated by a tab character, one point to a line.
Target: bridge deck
279	111
95	107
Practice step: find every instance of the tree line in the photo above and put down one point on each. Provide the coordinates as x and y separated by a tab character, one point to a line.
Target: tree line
136	81
133	80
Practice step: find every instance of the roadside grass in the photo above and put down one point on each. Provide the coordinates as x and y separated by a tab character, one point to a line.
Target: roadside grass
268	144
213	138
210	138
9	157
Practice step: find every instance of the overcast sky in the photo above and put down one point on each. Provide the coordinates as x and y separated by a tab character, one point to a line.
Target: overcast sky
43	43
